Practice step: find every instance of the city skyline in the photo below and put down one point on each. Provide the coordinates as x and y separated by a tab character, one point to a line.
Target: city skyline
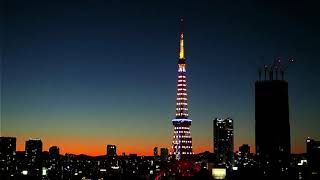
81	78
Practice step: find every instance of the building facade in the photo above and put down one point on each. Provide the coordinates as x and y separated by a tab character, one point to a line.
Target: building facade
272	128
223	140
313	157
155	151
111	150
182	141
7	155
33	153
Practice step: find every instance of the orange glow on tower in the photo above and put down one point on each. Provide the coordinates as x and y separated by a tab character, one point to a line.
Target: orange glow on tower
181	52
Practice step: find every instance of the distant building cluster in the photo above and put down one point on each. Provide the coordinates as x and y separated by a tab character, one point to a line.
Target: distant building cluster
34	163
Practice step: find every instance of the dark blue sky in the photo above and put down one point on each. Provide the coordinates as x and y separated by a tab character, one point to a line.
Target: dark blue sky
109	67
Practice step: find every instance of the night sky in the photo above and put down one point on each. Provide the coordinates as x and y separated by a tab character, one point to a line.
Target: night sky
84	74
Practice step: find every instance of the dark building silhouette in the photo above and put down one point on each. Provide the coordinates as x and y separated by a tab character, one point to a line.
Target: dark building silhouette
272	129
223	140
111	150
313	158
33	149
55	163
182	141
164	152
33	152
244	150
54	152
155	151
7	155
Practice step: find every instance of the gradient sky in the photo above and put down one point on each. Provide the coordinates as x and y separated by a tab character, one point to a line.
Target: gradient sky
87	74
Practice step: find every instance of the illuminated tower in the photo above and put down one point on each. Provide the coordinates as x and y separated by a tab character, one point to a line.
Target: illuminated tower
182	141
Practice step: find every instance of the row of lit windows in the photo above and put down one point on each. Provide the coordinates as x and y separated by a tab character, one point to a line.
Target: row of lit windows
179	94
182	114
181	76
183	98
187	153
182	85
183	147
177	142
179	109
182	103
181	80
182	89
181	137
186	141
182	131
183	153
181	128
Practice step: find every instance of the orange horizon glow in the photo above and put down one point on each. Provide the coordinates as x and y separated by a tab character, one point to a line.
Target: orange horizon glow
97	148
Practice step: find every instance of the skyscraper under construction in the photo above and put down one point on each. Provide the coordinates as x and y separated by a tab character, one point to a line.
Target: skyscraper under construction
272	127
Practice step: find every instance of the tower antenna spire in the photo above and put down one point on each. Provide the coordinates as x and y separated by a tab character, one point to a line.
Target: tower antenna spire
181	50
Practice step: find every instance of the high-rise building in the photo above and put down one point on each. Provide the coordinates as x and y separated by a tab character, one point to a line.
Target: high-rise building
7	155
55	163
33	152
33	149
111	150
313	157
33	146
182	141
223	140
272	129
155	151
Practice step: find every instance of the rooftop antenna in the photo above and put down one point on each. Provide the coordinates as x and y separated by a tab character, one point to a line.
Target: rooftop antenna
274	67
284	67
259	74
265	71
277	67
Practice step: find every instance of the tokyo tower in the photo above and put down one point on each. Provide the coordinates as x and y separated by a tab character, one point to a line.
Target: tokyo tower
182	141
